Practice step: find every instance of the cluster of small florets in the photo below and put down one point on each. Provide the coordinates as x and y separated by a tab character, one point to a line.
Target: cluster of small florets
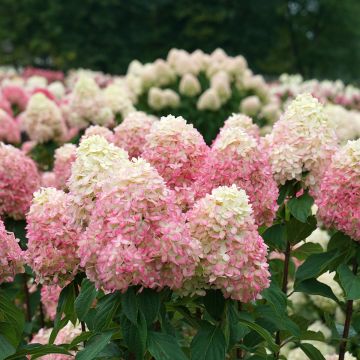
64	158
9	128
301	142
339	197
19	178
95	160
11	255
52	235
177	151
136	234
237	158
87	105
16	96
243	122
233	253
130	134
98	130
43	120
65	336
49	298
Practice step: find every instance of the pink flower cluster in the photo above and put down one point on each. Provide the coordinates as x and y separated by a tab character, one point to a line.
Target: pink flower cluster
130	134
237	158
244	122
11	256
19	178
177	151
49	299
338	200
65	336
137	234
9	128
301	142
16	96
233	253
52	235
64	158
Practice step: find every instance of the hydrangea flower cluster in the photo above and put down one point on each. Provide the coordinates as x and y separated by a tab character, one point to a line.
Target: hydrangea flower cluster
64	158
237	158
98	130
43	120
49	298
234	254
244	122
15	95
130	134
87	105
19	178
301	142
177	150
11	255
136	234
339	197
9	128
118	99
52	235
95	160
65	336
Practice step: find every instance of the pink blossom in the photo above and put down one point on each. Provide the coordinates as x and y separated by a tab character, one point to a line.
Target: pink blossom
338	200
130	134
11	256
237	158
136	234
16	95
177	151
52	235
9	128
234	254
49	298
19	178
98	130
64	158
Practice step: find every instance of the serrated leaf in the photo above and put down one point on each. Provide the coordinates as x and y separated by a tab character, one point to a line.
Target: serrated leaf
94	346
149	304
307	249
209	343
349	282
275	237
315	287
297	230
311	351
105	311
164	347
300	207
214	302
85	299
130	305
6	349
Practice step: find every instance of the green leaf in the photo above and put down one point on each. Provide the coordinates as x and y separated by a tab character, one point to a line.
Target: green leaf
6	349
235	331
130	305
149	304
285	190
164	347
106	310
65	306
94	346
311	351
315	265
275	236
85	299
312	335
209	343
135	336
262	332
315	287
297	230
214	303
276	298
13	317
307	249
300	207
349	282
37	350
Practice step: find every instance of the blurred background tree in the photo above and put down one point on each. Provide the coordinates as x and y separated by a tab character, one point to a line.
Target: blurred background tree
317	38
